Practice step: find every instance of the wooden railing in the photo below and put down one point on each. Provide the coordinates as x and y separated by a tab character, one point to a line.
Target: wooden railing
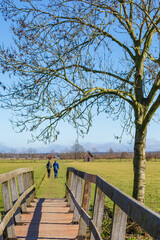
18	190
124	206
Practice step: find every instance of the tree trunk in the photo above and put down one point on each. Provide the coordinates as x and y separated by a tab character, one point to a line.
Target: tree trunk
139	163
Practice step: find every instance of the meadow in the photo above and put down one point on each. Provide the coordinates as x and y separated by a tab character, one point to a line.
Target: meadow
119	174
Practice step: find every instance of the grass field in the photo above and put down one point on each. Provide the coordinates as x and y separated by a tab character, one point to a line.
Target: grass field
119	174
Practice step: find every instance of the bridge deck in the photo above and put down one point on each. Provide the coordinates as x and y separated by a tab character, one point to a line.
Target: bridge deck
47	219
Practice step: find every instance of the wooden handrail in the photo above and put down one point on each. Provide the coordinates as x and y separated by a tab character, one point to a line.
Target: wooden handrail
18	188
124	206
7	176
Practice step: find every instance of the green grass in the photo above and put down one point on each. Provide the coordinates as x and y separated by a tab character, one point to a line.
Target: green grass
119	174
39	171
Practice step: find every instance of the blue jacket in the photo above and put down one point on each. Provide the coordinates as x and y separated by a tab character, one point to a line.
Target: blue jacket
55	166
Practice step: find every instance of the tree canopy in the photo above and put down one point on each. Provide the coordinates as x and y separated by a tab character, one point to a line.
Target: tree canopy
75	59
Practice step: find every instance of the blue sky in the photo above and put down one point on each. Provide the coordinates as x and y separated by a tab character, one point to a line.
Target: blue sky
102	131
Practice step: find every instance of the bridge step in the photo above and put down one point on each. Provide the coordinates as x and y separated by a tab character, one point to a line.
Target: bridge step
47	219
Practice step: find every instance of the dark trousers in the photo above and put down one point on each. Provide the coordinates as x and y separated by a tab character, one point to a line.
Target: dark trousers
49	171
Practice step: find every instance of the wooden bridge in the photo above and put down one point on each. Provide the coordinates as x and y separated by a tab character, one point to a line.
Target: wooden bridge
27	217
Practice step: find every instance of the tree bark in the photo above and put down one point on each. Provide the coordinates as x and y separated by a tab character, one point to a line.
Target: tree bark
139	163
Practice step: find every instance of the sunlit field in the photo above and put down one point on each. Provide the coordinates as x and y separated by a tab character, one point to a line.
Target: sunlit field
119	174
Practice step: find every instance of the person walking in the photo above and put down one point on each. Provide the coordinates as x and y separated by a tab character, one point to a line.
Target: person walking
49	166
56	168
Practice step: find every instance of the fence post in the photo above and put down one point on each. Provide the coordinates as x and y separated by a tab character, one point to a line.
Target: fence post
98	210
32	196
1	236
70	182
21	191
26	181
73	189
118	224
67	182
78	197
7	206
85	206
14	199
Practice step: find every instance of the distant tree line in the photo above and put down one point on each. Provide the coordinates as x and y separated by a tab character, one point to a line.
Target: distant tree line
77	154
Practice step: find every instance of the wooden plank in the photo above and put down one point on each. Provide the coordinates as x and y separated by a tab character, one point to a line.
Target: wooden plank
1	235
86	176
98	210
21	191
85	217
143	216
11	212
14	199
47	219
26	182
119	222
78	198
7	176
31	176
70	180
73	189
85	206
7	206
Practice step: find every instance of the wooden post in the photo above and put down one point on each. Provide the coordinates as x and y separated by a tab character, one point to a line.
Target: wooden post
78	196
118	224
67	182
98	210
7	206
85	206
21	190
26	181
1	236
73	189
14	199
32	183
70	182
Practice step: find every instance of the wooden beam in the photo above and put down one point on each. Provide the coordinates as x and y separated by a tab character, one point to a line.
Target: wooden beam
98	210
7	176
78	196
7	206
21	191
14	199
119	222
73	189
85	206
1	235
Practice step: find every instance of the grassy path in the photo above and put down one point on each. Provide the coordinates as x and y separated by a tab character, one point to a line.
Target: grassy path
53	188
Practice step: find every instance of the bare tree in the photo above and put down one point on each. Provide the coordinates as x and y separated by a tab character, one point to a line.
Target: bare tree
77	150
75	59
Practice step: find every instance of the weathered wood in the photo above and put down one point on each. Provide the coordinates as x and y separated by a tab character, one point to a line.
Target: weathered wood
73	189
67	182
85	206
85	217
143	216
1	235
26	182
21	191
11	212
7	176
70	176
78	196
7	206
119	222
86	176
98	210
31	176
14	199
